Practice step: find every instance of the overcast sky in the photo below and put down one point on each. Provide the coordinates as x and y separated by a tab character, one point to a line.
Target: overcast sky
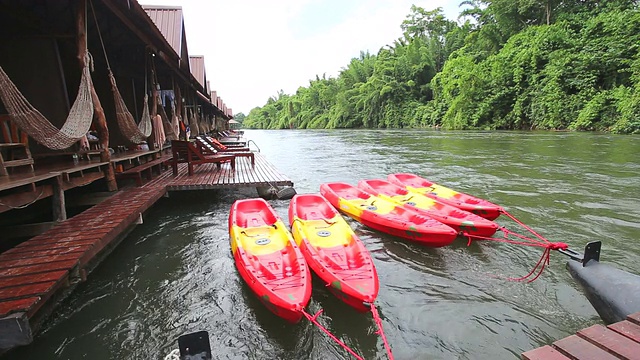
254	48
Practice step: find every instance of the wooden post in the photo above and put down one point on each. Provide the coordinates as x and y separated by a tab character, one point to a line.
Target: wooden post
59	204
151	141
99	119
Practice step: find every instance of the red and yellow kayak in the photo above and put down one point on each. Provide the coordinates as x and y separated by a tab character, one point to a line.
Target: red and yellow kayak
333	251
268	259
480	207
386	216
458	219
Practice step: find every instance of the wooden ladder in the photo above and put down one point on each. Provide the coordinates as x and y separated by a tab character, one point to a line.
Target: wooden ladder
14	151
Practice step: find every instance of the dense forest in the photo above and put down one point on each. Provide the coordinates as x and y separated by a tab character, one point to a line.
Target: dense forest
506	64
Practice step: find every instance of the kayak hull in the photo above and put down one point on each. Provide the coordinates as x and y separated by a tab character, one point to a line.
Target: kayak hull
268	259
333	251
462	201
460	220
387	217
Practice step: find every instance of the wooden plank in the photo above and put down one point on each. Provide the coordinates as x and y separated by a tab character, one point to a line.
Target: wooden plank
39	268
46	250
32	279
611	341
6	262
544	353
20	292
634	318
8	307
628	329
579	349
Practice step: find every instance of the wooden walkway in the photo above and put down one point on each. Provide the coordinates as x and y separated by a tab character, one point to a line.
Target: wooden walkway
616	341
207	176
38	273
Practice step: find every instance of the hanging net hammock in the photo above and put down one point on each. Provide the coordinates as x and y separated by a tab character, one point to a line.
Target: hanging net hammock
31	121
166	124
135	133
193	123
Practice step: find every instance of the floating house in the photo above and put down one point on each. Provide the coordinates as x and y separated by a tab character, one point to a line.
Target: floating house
89	89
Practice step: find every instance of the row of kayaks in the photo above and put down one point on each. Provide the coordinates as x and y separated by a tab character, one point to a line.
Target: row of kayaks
275	262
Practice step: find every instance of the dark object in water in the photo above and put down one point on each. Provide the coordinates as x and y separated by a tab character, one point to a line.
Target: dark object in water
195	346
273	192
611	291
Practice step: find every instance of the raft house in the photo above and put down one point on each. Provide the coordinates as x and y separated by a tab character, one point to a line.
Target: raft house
97	98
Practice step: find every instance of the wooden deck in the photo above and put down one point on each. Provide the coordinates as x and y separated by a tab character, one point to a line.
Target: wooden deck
207	176
616	341
36	274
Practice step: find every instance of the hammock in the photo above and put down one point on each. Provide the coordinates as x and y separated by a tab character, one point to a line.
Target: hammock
166	124
31	121
135	133
193	123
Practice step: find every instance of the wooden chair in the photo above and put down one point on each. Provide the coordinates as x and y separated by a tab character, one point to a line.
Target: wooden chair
186	152
207	148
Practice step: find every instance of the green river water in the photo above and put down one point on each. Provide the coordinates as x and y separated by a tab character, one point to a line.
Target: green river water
175	273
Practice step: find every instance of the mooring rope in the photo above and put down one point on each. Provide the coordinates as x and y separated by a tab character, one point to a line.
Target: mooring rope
313	320
378	320
541	241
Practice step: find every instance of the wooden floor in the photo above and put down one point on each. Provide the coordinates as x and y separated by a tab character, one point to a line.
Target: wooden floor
36	274
616	341
208	176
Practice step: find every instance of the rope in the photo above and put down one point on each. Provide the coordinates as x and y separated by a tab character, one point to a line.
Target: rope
173	355
316	323
376	318
135	133
541	241
31	121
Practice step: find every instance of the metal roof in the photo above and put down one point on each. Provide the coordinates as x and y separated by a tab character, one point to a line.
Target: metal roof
169	21
196	63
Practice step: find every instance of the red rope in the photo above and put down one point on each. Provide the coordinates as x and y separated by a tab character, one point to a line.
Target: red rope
376	318
316	323
541	241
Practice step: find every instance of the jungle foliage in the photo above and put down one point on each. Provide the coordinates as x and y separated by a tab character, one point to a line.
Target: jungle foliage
512	64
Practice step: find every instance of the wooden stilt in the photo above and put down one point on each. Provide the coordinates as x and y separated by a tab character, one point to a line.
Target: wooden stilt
58	200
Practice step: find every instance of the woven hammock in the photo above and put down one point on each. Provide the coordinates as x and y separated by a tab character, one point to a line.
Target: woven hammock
193	123
32	122
135	133
166	125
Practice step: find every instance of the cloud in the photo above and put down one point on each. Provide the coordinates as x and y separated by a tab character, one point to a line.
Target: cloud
254	48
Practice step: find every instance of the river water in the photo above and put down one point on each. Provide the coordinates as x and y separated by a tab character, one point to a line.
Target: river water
175	273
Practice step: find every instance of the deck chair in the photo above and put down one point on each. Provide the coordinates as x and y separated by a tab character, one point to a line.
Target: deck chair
222	147
208	149
186	152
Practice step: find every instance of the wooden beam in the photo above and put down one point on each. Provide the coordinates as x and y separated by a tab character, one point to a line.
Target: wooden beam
58	204
13	201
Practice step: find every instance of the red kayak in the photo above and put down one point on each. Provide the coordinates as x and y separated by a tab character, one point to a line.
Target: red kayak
449	215
386	216
414	183
333	251
268	259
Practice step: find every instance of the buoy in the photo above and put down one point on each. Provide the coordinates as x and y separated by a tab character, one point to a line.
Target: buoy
612	292
273	192
286	193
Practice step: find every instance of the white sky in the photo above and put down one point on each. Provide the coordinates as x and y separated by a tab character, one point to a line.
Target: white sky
254	48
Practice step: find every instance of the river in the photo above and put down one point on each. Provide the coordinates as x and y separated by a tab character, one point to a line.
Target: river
175	273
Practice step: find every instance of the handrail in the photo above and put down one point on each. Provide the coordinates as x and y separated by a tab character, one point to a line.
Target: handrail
254	143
